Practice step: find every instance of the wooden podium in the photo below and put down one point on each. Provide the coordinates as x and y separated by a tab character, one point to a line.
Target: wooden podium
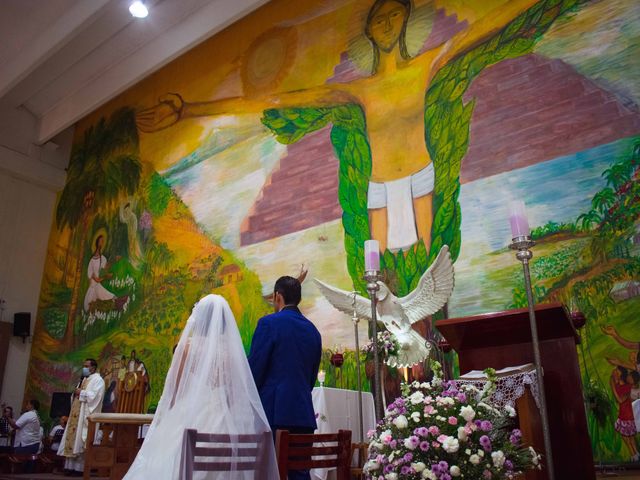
503	339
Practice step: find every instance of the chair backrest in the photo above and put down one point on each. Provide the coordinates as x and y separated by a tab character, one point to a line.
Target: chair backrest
306	451
216	452
358	458
131	401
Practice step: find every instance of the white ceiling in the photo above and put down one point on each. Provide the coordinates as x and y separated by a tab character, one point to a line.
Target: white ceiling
61	59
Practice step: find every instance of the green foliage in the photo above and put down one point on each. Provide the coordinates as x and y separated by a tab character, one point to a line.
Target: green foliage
159	193
55	322
447	118
552	228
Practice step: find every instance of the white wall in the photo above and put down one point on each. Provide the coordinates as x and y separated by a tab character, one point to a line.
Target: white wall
25	219
30	177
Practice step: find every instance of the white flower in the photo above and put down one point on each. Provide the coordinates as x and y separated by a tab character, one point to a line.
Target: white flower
386	437
455	471
498	458
436	382
425	385
480	453
429	475
391	476
401	422
462	434
467	451
510	411
408	444
370	466
535	458
467	412
416	398
475	459
415	416
450	445
418	466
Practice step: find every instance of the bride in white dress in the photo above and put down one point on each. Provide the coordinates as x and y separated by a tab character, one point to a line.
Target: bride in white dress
209	387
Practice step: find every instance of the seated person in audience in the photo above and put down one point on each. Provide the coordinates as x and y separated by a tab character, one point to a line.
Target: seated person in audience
55	435
28	438
6	432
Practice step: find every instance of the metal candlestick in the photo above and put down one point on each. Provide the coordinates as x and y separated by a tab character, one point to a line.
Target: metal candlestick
372	277
356	320
522	246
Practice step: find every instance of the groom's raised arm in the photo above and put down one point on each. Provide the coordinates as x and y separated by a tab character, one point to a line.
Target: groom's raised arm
261	346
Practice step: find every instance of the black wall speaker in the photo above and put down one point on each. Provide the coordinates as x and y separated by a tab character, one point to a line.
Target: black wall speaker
60	404
22	324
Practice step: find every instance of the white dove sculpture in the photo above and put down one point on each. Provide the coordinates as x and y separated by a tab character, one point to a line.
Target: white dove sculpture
398	314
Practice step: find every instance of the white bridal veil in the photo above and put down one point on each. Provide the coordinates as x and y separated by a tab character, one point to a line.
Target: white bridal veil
209	387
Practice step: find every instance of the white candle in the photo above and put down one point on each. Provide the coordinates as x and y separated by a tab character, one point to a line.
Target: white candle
321	376
371	255
518	219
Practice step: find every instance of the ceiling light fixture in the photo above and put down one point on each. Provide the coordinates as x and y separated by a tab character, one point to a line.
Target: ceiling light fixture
138	9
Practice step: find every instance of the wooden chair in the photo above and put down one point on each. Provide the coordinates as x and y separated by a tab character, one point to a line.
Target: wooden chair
297	452
359	452
217	457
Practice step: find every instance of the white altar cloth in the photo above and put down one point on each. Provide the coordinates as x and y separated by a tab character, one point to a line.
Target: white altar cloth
337	409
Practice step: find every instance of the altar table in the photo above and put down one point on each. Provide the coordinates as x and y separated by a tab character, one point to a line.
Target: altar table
118	444
337	409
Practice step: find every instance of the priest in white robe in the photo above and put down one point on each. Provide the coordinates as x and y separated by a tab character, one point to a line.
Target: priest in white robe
87	399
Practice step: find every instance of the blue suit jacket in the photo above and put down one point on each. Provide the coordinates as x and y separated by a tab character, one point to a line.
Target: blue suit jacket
284	359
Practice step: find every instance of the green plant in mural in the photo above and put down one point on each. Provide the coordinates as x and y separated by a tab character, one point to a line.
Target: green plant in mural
446	121
102	168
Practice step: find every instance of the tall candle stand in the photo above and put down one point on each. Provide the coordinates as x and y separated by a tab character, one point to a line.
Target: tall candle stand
522	244
372	277
356	320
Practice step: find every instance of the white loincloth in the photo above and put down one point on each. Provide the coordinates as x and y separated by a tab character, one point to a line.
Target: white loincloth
397	197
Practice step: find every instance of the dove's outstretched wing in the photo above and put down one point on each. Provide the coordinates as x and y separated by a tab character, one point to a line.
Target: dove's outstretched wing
433	290
343	300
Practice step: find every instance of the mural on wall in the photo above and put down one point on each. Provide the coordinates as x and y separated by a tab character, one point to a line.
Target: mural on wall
322	125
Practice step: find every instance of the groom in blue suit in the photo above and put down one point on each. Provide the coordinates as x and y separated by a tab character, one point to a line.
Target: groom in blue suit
284	360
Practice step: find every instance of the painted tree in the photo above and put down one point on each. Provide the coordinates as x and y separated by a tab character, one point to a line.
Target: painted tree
104	167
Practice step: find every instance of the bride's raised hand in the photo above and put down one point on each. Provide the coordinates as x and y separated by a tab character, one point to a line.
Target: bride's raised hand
167	112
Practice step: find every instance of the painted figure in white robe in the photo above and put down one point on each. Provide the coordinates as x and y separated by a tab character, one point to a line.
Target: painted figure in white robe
87	400
128	217
96	291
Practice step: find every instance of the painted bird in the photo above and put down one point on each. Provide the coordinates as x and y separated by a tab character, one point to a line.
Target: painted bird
398	314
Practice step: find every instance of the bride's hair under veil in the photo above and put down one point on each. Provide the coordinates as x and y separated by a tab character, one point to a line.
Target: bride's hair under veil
209	387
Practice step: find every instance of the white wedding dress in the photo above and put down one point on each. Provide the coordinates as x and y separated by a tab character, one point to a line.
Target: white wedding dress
209	387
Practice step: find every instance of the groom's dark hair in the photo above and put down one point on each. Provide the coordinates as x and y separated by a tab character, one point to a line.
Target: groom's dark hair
289	288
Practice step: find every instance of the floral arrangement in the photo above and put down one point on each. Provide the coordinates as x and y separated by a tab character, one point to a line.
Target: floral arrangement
441	430
388	346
